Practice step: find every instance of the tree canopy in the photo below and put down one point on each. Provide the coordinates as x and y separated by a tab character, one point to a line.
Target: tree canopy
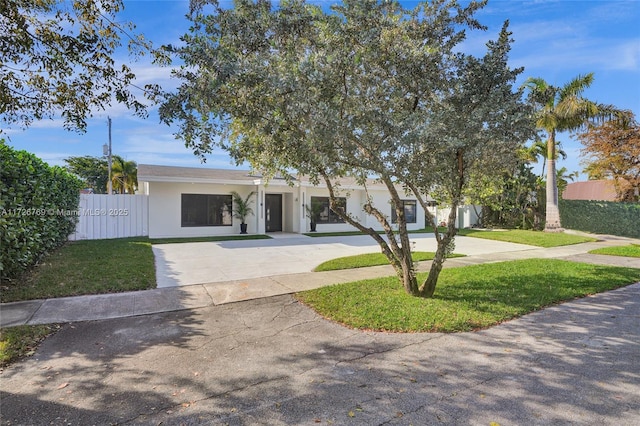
124	175
367	89
612	151
94	171
57	58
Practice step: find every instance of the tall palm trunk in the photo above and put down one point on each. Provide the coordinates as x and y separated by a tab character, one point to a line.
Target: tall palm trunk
552	223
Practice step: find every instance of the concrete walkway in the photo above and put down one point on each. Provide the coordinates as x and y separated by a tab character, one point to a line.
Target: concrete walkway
182	296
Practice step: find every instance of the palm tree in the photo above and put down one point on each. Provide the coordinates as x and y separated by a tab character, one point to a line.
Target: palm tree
563	177
124	175
562	109
539	149
242	208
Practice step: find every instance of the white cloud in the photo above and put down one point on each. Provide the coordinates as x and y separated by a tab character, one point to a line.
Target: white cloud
53	158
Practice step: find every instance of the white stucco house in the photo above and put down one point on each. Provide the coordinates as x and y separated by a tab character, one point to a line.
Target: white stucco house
188	202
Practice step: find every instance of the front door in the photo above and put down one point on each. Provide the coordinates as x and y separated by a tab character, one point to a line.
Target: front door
273	212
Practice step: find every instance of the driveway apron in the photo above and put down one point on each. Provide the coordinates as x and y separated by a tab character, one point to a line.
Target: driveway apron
211	262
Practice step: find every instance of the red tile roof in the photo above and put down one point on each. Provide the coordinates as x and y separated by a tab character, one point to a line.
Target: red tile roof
597	190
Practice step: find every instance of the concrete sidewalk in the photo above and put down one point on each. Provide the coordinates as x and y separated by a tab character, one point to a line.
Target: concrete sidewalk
119	305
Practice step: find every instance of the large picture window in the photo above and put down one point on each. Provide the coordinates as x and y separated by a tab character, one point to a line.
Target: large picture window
410	210
206	210
326	214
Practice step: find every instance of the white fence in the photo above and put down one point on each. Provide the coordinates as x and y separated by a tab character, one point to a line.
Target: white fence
111	216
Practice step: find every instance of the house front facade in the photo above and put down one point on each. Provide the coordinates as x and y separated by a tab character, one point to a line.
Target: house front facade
193	202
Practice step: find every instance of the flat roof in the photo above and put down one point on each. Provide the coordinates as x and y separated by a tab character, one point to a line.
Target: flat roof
155	173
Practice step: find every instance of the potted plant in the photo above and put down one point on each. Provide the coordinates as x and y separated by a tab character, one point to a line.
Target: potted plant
242	209
313	213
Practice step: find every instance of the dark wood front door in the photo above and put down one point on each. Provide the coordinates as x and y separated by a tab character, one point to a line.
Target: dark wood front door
273	212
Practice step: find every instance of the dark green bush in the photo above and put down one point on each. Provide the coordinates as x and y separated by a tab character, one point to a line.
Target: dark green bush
601	217
37	209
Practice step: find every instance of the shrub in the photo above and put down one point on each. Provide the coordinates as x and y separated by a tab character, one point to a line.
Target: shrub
601	217
37	209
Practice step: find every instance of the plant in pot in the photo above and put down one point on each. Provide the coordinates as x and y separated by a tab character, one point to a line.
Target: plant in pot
242	208
313	213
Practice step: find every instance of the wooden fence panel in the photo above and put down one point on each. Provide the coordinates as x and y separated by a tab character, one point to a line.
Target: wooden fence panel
103	216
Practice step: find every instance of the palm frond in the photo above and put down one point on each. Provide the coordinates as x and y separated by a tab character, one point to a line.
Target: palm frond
575	87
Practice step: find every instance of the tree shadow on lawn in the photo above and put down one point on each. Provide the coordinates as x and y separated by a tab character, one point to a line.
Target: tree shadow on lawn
274	361
518	291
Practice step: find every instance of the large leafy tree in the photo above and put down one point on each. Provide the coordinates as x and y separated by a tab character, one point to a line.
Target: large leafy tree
367	89
57	58
612	151
94	171
561	109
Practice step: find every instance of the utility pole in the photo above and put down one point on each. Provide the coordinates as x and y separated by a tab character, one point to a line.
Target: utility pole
106	150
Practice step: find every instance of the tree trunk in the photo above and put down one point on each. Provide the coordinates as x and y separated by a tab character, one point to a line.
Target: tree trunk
429	285
428	288
552	220
408	275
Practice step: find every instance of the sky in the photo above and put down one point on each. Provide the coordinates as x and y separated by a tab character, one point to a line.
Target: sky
555	40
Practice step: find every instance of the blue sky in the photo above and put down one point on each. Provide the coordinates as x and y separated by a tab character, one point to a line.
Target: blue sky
554	39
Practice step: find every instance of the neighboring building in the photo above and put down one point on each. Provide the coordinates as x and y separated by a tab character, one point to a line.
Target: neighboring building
187	202
595	190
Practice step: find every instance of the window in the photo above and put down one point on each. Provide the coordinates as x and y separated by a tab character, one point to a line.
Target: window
206	210
326	214
410	215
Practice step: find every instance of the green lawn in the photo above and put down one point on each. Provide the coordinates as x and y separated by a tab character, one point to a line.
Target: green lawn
96	267
370	259
348	233
532	238
632	250
208	239
87	267
21	341
466	298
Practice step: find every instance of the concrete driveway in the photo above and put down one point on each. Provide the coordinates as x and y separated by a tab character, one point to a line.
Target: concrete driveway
211	262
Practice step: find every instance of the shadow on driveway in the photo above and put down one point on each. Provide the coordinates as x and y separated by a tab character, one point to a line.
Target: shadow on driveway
274	361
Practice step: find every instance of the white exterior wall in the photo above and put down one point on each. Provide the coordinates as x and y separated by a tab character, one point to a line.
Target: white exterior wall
356	198
290	206
466	217
382	200
165	210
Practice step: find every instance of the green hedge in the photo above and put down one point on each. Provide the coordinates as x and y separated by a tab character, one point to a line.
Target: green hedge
37	209
601	217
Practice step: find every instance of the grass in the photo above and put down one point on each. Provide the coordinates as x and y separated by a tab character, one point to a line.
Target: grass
370	259
208	239
532	238
21	341
466	298
632	250
348	233
96	267
87	267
